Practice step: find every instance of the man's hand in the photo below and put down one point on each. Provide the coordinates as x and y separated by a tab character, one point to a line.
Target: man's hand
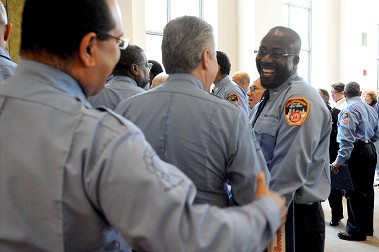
335	167
262	190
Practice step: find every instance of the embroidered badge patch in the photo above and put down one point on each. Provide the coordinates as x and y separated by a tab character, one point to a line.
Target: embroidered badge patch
345	118
233	98
296	111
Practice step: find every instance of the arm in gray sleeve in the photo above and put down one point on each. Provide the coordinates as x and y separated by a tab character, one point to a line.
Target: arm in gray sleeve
150	203
246	161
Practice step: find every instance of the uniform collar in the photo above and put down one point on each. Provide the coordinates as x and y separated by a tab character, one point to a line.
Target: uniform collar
183	77
284	85
51	76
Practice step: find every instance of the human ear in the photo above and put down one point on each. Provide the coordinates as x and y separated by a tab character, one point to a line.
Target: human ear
86	49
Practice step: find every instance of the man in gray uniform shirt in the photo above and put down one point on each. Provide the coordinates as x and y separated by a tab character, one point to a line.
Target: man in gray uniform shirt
70	173
293	129
206	137
130	75
225	87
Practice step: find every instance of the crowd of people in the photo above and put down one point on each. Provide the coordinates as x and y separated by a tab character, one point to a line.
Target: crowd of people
102	149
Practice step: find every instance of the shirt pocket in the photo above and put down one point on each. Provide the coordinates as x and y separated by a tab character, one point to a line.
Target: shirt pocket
265	131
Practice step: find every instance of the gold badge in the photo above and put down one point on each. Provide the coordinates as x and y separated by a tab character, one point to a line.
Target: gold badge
296	111
233	98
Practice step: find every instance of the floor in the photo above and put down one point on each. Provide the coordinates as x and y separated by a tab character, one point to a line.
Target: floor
334	244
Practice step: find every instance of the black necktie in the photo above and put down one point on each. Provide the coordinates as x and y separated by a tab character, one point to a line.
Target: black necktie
264	99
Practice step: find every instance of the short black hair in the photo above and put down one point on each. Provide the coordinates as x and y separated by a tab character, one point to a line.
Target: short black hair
131	55
223	62
352	89
156	68
57	27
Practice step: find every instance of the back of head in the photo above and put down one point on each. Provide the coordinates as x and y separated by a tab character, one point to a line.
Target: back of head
131	55
57	27
352	89
184	39
224	63
241	76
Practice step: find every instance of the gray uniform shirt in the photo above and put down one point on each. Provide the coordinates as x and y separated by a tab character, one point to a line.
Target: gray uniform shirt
117	89
7	66
293	131
69	173
230	91
208	138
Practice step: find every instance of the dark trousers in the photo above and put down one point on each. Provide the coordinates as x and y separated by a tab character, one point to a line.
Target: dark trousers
309	228
360	202
335	203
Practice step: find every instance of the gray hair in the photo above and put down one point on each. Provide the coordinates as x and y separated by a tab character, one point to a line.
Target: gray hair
352	89
184	40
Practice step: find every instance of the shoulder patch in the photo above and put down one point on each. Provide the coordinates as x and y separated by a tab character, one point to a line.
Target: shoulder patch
233	98
345	118
296	111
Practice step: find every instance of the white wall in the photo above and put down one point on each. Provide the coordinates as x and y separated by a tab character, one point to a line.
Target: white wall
337	27
325	43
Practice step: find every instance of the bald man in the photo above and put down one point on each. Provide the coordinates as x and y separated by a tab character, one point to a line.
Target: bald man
7	66
242	79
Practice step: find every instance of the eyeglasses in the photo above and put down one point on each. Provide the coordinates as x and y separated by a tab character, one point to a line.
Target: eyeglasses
122	42
335	92
273	55
253	88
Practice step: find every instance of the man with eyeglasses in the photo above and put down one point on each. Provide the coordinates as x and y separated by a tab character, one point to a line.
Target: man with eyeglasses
338	95
128	78
254	95
71	174
292	125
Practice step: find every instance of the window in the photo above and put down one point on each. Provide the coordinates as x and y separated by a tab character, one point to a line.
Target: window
159	12
298	13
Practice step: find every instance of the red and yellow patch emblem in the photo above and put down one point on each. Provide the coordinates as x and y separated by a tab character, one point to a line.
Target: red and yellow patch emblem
296	111
233	98
345	118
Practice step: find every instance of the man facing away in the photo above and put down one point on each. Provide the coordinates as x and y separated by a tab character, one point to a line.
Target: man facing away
205	136
292	125
7	66
84	171
357	130
242	79
225	87
129	77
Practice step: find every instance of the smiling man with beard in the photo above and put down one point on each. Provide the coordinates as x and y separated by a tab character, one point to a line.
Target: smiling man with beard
292	126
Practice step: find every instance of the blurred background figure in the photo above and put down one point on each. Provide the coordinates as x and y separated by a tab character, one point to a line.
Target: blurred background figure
370	97
255	93
242	79
7	66
335	196
338	95
154	71
158	80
